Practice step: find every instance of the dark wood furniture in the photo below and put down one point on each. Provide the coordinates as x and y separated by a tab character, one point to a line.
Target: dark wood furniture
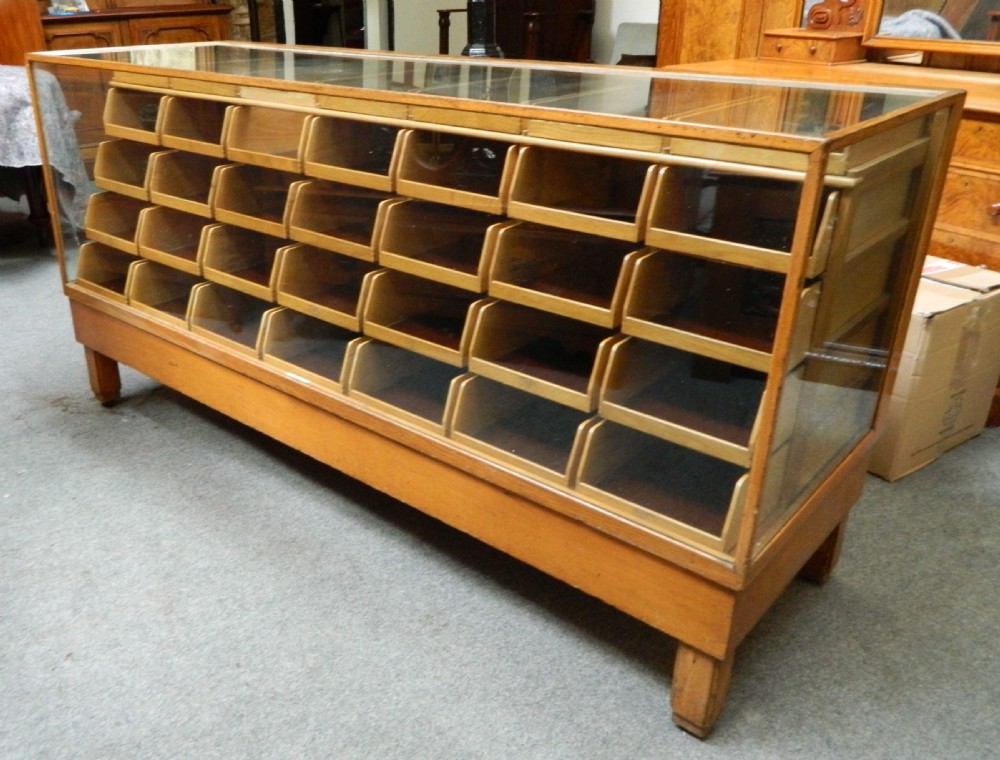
20	34
544	30
111	23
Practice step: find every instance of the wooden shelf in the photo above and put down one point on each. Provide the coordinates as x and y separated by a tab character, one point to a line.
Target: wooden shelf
641	348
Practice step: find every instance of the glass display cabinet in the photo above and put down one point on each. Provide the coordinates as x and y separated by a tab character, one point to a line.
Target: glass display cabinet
631	327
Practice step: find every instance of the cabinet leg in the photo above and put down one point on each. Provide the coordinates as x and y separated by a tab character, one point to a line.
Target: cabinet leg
700	688
105	381
819	567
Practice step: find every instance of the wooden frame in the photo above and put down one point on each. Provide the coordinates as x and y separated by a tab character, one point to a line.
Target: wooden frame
412	417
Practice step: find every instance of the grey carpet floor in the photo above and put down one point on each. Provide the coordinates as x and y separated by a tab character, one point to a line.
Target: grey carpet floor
173	585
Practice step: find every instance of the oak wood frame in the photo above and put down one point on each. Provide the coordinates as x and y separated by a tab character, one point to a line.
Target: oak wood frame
707	602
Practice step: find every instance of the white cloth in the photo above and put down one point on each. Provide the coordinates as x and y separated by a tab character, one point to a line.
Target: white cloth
19	137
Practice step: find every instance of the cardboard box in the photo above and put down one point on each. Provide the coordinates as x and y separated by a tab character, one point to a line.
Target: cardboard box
948	370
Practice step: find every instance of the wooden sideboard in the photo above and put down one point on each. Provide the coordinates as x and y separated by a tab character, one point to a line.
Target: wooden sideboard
111	23
114	23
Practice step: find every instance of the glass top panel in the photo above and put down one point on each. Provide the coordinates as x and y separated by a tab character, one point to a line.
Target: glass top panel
788	108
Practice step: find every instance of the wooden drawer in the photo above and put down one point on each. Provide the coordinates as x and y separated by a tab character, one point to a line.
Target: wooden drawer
971	203
976	144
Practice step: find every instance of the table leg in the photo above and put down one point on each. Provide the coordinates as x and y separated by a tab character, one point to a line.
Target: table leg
38	210
699	690
105	381
819	567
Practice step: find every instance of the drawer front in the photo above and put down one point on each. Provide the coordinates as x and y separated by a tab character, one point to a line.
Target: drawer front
971	201
977	144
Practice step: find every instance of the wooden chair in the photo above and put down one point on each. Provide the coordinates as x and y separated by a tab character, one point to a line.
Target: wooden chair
20	34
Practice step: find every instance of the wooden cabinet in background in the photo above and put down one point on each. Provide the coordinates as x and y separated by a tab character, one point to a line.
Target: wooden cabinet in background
119	22
113	23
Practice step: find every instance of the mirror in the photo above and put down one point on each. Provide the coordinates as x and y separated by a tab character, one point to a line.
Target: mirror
967	28
951	20
972	20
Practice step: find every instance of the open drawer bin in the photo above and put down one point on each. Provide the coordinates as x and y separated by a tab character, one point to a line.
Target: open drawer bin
184	181
590	193
410	386
322	284
132	114
472	172
194	125
580	276
338	217
161	291
719	310
742	219
420	315
360	153
448	244
240	259
171	237
263	136
227	316
113	219
522	430
549	355
672	394
308	349
104	269
662	484
123	166
252	197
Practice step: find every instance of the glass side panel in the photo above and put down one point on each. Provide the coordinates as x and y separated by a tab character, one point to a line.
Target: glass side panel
779	107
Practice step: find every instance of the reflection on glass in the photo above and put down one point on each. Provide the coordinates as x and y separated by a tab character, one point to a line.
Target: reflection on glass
738	104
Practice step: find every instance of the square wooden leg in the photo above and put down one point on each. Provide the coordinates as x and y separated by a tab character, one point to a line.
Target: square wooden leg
105	380
819	567
699	690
